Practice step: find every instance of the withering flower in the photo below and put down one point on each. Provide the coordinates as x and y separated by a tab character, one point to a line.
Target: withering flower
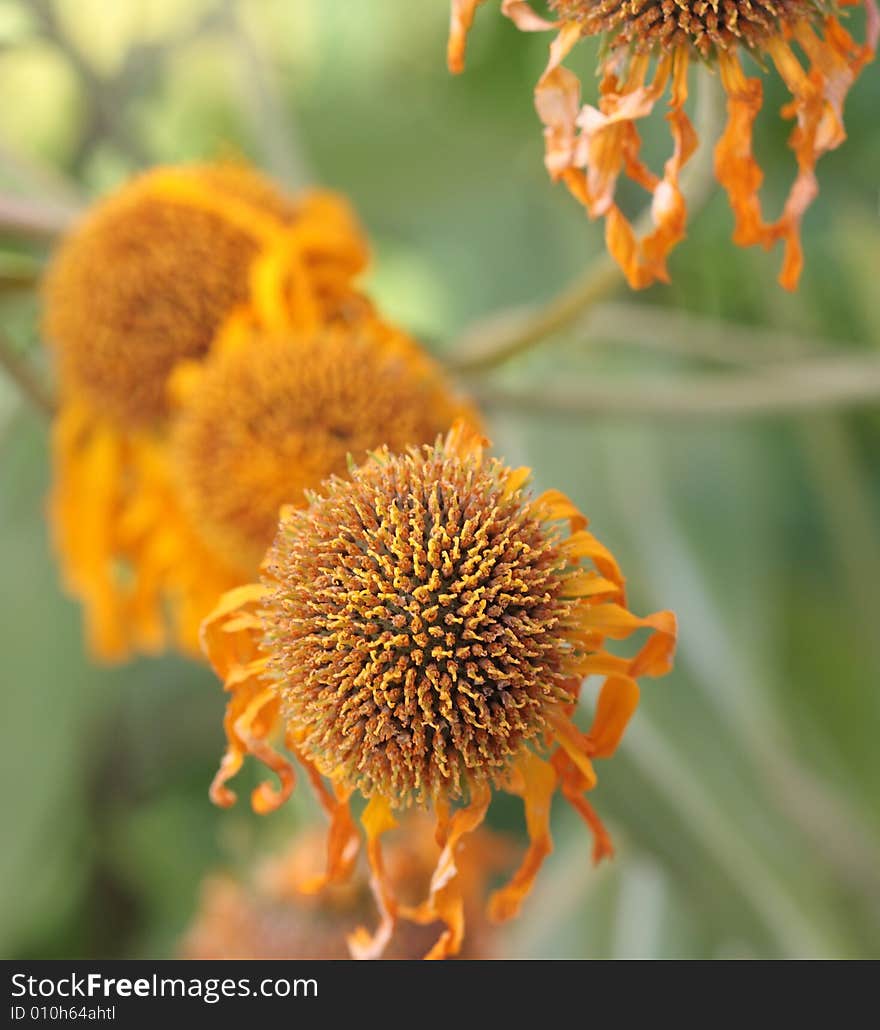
419	637
268	417
648	47
267	915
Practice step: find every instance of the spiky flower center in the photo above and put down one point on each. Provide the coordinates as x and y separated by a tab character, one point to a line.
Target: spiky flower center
417	626
706	26
277	417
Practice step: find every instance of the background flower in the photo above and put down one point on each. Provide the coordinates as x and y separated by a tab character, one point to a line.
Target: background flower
264	915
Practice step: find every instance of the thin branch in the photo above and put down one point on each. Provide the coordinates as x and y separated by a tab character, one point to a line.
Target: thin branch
106	109
34	219
34	179
822	383
688	335
501	337
277	131
19	275
25	377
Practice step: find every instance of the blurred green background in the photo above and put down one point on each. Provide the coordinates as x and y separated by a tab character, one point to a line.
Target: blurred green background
744	803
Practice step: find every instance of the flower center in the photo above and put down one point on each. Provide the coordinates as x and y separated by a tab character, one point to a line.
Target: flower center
417	627
706	26
146	280
276	417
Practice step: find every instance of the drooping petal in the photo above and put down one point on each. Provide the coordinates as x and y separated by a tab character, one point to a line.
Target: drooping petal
231	640
572	790
343	839
590	147
818	95
618	700
376	819
230	633
575	745
460	21
444	901
534	780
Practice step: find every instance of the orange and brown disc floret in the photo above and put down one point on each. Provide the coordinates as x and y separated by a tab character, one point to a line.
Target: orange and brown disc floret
419	637
648	47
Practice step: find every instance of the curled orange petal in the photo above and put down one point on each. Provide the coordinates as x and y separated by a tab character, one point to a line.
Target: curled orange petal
553	504
460	20
575	745
343	839
818	94
572	791
231	637
583	544
376	819
445	901
535	782
618	700
590	147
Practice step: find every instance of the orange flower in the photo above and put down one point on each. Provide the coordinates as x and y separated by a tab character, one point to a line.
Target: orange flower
153	271
419	637
589	147
269	417
267	916
228	335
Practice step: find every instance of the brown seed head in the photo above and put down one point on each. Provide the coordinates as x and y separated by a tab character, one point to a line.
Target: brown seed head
148	277
705	26
416	627
274	418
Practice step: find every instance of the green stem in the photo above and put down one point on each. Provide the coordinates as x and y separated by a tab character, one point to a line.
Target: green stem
496	340
25	378
819	384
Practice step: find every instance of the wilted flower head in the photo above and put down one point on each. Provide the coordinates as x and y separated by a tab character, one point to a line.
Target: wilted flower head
648	48
268	417
420	635
151	273
204	288
268	915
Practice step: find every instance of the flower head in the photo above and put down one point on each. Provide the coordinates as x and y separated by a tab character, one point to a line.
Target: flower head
267	916
420	635
152	272
269	417
648	48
